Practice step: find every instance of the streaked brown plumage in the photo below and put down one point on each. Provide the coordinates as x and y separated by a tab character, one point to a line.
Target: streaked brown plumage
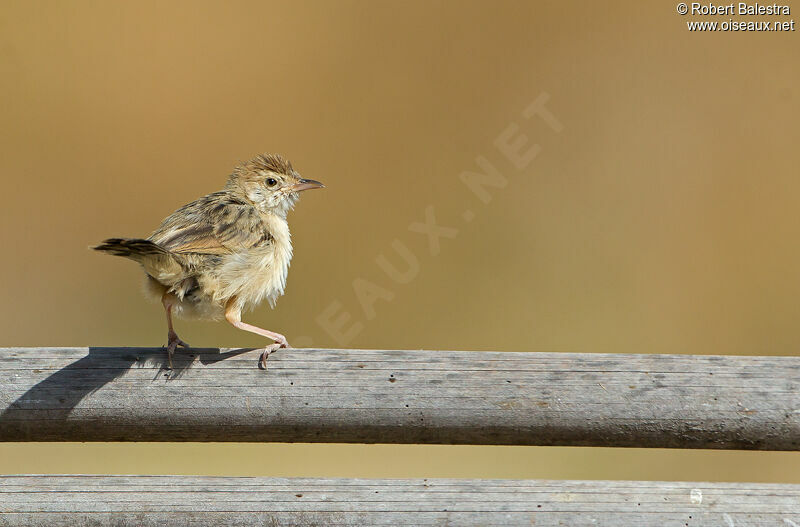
225	252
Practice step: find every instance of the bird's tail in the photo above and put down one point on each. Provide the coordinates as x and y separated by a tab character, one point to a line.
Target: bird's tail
133	248
162	265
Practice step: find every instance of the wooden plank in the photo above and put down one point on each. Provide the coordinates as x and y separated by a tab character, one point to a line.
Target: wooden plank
193	500
311	395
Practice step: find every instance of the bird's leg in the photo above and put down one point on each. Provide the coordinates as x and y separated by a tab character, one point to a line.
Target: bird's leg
233	314
169	299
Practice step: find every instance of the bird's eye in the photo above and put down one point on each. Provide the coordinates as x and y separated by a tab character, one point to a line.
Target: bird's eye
271	182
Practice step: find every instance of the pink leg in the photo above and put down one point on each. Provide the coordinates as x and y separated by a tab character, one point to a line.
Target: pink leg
233	314
172	338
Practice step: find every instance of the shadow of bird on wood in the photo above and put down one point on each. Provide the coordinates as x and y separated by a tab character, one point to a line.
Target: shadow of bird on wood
54	398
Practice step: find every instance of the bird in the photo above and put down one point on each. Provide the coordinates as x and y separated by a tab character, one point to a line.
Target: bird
224	253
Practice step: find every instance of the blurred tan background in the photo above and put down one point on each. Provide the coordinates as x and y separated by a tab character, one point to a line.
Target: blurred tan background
663	218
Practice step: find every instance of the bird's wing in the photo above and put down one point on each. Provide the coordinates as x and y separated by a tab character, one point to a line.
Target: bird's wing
216	224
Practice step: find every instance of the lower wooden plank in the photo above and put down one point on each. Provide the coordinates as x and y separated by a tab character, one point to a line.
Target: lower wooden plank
80	500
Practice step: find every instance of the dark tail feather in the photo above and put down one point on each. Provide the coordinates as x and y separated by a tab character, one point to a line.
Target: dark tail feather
159	263
134	248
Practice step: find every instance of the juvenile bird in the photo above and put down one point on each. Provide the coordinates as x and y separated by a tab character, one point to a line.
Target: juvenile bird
225	252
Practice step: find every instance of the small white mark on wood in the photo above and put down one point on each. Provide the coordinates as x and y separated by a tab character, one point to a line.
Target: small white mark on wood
564	497
696	496
790	523
728	520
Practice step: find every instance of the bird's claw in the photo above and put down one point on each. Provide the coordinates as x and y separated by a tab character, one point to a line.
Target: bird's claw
172	343
279	343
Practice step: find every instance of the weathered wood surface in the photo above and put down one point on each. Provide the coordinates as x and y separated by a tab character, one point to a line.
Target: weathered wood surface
124	394
190	500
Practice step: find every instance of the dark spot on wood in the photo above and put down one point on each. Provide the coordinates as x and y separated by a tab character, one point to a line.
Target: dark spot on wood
299	495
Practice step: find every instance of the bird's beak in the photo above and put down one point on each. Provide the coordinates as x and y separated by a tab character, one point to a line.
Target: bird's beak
306	184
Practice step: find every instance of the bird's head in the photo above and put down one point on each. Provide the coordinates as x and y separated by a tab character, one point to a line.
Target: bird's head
270	183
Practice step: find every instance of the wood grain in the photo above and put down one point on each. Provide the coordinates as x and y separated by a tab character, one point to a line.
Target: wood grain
192	500
366	396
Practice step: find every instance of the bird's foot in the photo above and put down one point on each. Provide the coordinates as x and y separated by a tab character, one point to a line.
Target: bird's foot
279	343
173	342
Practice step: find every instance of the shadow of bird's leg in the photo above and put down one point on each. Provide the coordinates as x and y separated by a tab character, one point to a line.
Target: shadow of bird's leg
169	300
233	314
